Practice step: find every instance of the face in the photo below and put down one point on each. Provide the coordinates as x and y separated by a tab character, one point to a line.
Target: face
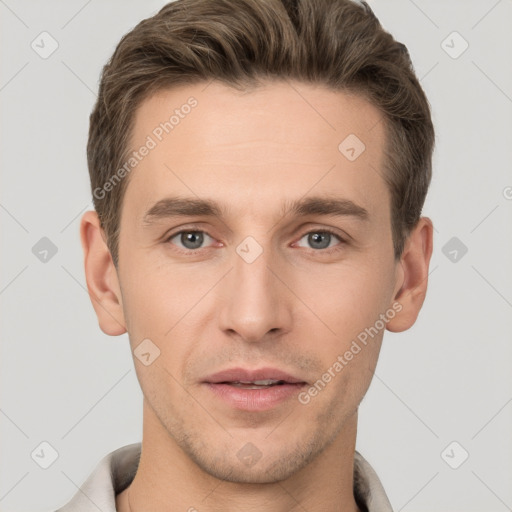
253	253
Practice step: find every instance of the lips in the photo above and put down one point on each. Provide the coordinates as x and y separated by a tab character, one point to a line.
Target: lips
253	390
257	384
263	376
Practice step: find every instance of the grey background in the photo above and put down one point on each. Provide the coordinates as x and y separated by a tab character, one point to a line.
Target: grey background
447	379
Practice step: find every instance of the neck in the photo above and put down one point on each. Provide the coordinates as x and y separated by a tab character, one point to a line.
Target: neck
167	479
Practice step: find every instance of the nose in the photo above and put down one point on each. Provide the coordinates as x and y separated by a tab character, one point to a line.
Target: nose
256	303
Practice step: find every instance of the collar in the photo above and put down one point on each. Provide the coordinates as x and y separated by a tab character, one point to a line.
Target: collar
115	472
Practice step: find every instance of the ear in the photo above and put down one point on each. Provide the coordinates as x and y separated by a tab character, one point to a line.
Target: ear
412	276
101	276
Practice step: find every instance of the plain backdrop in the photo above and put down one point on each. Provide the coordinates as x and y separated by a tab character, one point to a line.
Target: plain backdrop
442	390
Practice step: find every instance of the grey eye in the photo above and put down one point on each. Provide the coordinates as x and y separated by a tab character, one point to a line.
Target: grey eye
189	239
320	239
192	239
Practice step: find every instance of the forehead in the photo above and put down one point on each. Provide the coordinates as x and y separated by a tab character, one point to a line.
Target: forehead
311	110
264	144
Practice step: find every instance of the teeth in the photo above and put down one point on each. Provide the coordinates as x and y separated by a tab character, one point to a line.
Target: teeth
257	384
248	386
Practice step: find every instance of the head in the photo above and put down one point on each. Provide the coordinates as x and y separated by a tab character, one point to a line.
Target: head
292	141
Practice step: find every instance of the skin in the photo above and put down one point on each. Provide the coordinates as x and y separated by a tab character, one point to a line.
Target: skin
297	307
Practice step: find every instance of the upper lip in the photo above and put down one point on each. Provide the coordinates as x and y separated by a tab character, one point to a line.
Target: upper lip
246	375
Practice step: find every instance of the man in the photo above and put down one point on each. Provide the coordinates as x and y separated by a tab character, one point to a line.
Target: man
258	169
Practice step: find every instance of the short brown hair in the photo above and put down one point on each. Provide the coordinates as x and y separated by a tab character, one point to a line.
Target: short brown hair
336	43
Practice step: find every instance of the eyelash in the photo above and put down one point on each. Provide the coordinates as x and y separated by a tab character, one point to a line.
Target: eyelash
323	230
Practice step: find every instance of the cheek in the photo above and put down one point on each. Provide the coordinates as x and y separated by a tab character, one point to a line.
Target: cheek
347	303
155	301
346	299
171	308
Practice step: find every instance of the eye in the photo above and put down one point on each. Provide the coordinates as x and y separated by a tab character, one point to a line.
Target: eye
320	239
193	240
190	240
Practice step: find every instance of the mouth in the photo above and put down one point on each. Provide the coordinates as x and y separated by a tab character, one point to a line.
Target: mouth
253	390
257	384
261	377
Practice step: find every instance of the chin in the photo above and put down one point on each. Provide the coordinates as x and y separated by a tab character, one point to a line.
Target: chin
251	466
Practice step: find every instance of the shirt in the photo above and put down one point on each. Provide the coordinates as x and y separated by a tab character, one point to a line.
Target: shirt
115	472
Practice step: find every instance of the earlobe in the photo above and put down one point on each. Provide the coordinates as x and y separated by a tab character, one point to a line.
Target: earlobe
413	275
101	276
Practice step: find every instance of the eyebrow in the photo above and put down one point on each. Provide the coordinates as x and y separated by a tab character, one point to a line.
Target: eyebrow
193	207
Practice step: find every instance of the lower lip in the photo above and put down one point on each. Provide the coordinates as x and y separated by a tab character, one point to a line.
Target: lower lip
255	399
